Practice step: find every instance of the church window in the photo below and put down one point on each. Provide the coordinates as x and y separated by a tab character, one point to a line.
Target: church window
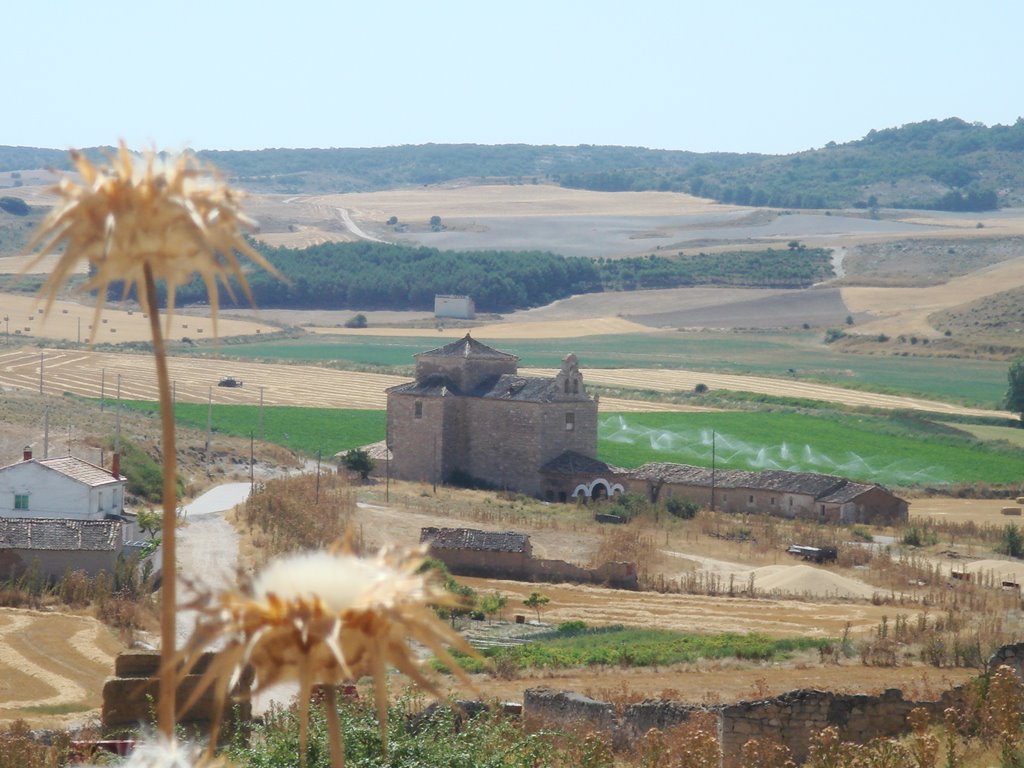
570	422
418	408
567	386
575	386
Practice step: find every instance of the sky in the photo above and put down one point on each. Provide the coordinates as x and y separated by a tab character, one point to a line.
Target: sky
742	76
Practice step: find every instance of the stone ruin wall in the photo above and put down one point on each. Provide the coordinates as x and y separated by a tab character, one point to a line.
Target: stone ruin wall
790	719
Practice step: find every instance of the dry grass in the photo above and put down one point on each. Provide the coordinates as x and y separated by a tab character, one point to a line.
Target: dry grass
73	321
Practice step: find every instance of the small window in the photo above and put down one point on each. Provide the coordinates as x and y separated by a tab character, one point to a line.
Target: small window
570	422
771	501
822	510
21	501
750	500
575	386
791	501
567	386
419	409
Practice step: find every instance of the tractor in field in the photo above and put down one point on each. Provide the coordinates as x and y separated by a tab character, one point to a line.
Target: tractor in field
229	381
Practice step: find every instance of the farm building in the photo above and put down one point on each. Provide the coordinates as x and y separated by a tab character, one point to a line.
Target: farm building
55	546
469	416
471	552
509	555
65	487
458	307
825	498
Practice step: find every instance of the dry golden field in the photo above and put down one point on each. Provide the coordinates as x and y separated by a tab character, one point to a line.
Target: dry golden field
22	315
52	665
552	329
662	380
195	378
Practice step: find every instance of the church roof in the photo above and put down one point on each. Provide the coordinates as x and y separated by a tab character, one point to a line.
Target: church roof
468	347
509	386
571	463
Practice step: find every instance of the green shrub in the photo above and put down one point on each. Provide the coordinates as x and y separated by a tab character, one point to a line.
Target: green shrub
1011	542
684	509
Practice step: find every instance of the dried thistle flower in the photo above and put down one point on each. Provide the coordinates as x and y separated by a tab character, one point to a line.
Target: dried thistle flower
172	215
139	223
326	618
163	753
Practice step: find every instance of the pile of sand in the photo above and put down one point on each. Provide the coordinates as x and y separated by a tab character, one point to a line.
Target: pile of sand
808	580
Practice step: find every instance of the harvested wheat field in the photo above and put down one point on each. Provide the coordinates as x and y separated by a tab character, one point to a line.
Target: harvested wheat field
553	329
70	321
906	310
52	665
662	380
942	509
195	380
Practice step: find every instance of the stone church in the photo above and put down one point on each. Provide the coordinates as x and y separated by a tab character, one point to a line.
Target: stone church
469	416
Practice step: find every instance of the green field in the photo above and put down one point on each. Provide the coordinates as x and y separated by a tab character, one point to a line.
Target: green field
626	647
900	450
974	382
306	430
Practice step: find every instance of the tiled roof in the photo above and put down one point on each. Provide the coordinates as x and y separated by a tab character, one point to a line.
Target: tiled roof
59	534
470	538
571	463
436	385
78	469
821	487
467	347
509	386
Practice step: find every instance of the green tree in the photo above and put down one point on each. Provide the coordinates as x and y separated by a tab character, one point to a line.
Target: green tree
358	460
150	521
492	604
356	321
536	601
1015	391
1011	542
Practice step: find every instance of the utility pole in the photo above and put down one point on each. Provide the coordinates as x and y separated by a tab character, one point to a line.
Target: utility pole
712	470
317	475
117	418
252	476
261	414
209	426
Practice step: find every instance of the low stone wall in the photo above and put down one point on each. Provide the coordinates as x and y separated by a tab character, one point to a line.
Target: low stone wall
129	697
790	719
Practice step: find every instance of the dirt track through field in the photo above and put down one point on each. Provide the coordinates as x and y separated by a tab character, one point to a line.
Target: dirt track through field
195	380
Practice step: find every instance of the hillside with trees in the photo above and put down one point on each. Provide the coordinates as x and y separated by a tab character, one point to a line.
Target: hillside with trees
365	275
946	164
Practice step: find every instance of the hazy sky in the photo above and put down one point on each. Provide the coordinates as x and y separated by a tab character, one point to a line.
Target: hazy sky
753	76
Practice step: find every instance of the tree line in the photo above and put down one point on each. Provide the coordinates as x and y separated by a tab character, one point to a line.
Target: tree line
367	275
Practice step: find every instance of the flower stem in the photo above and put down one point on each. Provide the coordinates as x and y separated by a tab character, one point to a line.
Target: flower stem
334	727
168	563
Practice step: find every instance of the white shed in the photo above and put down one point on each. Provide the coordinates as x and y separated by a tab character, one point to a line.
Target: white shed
65	487
460	307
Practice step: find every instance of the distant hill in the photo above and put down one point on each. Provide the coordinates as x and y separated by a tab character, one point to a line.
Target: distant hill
938	164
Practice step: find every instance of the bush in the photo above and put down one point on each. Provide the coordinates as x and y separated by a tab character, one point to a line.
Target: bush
682	508
358	460
356	321
1011	542
627	505
833	334
14	205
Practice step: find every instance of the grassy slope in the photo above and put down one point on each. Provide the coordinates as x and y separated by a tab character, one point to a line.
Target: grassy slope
976	382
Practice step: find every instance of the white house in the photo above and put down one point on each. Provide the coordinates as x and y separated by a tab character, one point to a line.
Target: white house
65	488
